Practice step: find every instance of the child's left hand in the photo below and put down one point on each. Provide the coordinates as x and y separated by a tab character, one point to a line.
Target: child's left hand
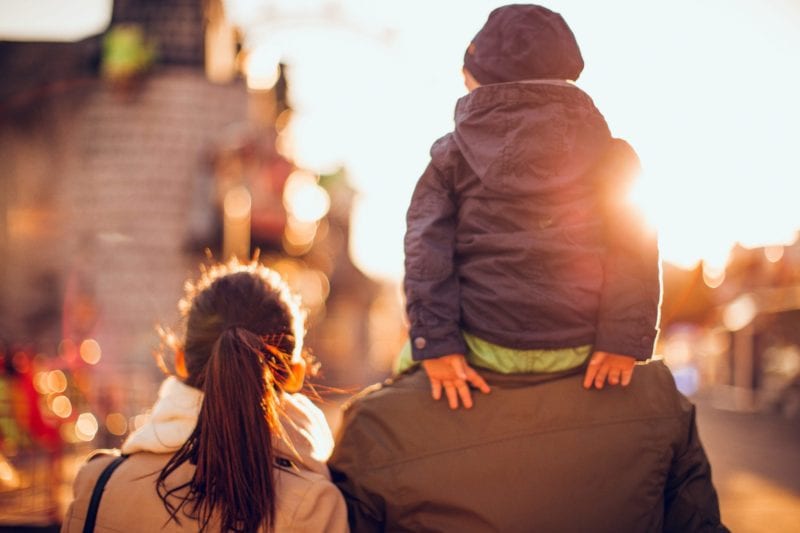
616	367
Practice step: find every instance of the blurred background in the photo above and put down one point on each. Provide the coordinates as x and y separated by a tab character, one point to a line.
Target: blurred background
140	138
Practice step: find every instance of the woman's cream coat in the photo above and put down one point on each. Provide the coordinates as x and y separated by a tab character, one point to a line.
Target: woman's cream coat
307	501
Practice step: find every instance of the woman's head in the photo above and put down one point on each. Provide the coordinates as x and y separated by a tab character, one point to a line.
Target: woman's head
243	348
251	303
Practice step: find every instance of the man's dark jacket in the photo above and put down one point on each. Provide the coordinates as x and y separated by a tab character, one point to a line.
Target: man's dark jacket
538	453
520	233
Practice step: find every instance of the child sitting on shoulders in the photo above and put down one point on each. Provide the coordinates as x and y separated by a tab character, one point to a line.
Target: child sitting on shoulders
521	252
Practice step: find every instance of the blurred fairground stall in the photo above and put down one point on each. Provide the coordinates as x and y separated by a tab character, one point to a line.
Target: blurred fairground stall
129	157
734	332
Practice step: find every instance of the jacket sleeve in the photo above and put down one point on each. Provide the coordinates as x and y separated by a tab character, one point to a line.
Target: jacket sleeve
431	281
690	500
630	298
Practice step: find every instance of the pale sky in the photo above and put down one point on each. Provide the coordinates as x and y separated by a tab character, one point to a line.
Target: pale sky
705	90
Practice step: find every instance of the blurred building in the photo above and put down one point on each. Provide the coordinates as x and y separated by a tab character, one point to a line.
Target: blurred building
119	157
735	332
104	160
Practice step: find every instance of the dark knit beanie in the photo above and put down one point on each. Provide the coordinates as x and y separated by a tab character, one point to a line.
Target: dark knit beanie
523	42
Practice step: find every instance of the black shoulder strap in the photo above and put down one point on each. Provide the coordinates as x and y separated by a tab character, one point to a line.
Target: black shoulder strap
97	493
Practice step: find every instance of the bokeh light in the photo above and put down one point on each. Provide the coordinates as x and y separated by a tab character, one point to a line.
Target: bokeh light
61	406
86	427
304	199
40	383
261	68
713	276
56	381
238	203
90	351
298	237
739	313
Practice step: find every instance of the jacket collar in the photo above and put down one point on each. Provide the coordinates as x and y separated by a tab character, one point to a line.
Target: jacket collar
306	438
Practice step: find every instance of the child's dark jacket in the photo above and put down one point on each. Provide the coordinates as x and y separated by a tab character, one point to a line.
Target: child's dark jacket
520	233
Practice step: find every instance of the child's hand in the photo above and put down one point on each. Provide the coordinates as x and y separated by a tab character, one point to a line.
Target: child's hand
453	373
617	368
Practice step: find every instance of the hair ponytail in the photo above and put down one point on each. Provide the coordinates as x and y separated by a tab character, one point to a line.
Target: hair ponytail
231	446
244	327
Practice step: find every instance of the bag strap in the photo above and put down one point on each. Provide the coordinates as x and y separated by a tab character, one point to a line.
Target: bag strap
97	493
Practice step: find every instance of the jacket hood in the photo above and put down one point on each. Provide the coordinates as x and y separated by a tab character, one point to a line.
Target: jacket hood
523	42
531	136
306	438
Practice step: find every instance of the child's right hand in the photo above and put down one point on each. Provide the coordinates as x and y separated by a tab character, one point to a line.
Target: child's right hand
616	367
452	373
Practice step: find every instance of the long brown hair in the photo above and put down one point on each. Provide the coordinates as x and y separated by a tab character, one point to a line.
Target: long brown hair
243	328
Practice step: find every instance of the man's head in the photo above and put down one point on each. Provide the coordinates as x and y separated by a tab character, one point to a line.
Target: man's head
523	42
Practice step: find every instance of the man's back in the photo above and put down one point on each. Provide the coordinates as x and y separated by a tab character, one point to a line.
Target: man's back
537	454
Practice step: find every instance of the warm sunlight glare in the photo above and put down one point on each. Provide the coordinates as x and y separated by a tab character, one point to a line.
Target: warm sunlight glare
712	115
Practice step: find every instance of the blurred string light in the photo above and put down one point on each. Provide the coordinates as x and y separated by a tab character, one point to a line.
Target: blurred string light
286	144
740	313
54	381
90	351
304	199
713	275
40	383
261	68
86	427
306	203
61	406
298	236
715	260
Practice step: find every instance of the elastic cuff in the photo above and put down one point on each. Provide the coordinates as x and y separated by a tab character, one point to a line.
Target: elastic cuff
425	346
640	348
